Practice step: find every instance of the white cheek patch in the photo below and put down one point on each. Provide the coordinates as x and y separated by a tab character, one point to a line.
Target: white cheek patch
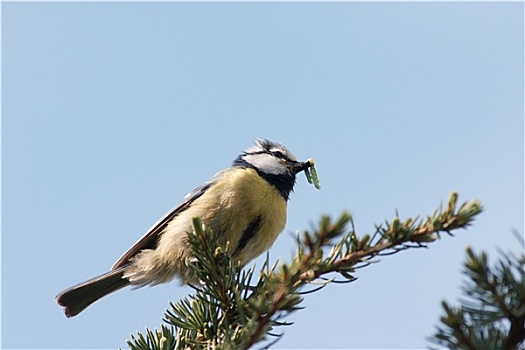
267	163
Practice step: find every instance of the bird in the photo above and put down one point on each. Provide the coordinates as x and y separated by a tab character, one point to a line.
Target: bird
243	205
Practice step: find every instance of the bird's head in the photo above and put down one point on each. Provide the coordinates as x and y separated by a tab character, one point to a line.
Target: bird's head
274	162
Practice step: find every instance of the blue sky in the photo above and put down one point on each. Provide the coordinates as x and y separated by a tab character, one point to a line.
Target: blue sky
112	112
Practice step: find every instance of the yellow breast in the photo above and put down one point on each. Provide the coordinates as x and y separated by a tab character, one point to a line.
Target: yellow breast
241	197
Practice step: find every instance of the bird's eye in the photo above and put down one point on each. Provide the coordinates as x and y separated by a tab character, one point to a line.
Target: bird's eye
278	154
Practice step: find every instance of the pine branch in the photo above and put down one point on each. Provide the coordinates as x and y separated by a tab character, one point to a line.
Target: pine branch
493	316
227	311
162	339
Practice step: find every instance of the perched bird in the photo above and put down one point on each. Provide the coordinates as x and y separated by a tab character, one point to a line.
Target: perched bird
244	205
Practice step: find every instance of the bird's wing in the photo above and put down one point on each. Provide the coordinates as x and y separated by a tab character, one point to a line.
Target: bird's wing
150	238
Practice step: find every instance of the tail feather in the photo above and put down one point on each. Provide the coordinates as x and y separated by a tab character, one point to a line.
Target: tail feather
77	298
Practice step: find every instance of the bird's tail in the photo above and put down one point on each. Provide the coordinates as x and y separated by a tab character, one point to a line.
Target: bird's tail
77	298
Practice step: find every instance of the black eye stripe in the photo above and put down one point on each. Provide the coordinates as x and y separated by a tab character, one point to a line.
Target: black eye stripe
277	154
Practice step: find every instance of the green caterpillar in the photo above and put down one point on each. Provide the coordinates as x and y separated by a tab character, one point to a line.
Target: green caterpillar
311	174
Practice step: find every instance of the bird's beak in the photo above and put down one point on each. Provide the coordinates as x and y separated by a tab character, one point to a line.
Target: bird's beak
300	166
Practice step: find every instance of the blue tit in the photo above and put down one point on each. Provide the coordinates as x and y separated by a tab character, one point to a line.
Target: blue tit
244	206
